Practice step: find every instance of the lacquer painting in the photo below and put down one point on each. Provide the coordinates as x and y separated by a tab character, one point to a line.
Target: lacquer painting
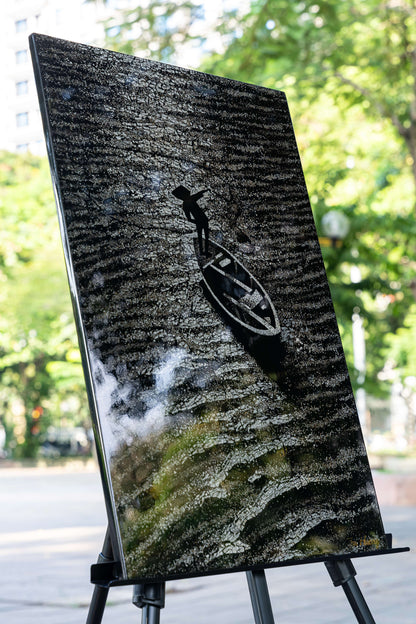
223	409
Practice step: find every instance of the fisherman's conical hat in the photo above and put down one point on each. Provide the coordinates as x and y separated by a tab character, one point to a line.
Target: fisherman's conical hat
181	192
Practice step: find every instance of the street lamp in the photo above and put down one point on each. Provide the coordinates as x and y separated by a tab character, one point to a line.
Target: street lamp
335	226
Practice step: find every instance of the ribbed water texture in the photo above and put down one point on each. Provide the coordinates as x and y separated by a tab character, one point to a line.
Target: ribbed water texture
216	462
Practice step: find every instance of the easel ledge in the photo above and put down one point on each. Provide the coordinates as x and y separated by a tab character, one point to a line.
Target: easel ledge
149	594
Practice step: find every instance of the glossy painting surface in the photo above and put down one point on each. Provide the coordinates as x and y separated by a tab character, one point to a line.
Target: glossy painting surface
220	392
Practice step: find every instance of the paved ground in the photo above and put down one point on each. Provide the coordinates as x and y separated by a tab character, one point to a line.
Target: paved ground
52	524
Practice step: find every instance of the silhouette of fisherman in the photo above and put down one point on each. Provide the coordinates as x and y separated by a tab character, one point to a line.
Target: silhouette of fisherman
194	214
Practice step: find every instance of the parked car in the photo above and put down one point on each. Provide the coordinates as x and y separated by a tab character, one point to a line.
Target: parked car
65	442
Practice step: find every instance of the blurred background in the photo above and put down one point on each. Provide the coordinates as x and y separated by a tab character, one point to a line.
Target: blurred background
348	69
349	72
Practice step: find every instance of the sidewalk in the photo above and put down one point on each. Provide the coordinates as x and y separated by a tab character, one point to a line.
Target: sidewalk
395	489
51	529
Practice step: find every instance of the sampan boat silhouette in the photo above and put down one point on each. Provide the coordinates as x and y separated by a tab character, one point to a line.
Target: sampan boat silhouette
241	298
236	295
243	304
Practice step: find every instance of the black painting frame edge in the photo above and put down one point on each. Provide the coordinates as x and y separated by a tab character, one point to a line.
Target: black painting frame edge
102	459
86	365
100	571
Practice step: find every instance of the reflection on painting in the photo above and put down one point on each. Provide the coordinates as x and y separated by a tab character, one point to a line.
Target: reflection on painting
226	420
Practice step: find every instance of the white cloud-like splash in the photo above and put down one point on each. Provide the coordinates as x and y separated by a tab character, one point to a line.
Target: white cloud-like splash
122	429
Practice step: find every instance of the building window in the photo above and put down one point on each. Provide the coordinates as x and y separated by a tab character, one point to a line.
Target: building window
21	25
22	87
22	119
21	57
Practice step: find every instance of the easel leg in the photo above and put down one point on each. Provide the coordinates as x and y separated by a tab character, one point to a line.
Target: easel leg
343	573
150	597
260	598
99	597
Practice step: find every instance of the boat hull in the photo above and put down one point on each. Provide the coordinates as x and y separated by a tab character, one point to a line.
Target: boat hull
243	304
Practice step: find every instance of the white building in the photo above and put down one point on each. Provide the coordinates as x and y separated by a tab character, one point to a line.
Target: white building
76	20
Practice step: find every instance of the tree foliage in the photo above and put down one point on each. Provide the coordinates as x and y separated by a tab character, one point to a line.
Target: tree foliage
41	379
154	29
360	52
349	71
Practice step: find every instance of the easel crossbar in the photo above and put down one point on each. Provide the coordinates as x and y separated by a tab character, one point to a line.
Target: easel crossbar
150	596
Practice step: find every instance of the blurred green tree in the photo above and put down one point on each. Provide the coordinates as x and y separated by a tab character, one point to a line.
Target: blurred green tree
155	29
40	369
360	53
349	71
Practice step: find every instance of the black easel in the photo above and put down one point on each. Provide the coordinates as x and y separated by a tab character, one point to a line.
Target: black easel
99	596
260	599
150	597
342	572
